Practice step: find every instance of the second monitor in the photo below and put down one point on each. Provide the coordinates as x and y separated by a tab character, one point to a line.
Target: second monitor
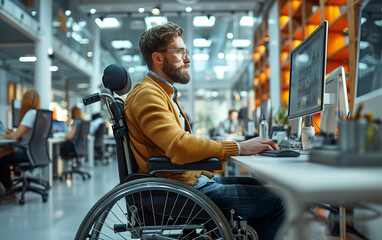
307	74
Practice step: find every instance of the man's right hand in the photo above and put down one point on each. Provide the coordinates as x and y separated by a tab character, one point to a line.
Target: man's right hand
256	145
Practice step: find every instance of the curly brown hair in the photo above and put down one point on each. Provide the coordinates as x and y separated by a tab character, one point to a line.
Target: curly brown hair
156	39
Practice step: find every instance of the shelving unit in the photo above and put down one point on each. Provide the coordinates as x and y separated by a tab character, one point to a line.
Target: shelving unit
298	19
261	64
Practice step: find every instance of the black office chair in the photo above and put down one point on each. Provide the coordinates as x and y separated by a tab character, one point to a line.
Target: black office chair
35	156
142	206
99	145
79	143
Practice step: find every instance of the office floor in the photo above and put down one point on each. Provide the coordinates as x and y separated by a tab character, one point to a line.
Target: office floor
67	205
60	217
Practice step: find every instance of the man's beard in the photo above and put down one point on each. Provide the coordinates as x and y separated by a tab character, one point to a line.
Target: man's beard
174	73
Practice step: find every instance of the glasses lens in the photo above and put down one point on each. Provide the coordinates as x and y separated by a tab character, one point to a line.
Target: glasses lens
186	53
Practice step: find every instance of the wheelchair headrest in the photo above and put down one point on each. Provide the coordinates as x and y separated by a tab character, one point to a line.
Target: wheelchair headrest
117	79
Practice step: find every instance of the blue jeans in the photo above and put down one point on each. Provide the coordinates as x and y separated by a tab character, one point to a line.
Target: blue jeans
263	209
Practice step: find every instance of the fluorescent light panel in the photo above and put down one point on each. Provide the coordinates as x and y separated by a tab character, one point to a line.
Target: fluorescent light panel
241	43
108	22
200	57
154	21
28	59
204	21
201	42
118	44
246	21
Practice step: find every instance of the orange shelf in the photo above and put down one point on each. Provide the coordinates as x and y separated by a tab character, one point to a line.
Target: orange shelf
309	29
284	20
315	18
296	8
340	54
285	9
336	2
298	34
339	23
331	13
286	47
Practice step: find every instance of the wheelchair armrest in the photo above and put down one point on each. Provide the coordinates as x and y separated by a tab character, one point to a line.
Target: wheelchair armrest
164	163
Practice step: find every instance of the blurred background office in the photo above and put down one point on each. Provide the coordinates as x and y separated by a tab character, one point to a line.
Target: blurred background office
240	53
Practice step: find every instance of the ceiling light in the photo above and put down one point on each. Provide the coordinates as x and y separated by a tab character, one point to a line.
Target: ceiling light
118	44
200	57
53	68
201	42
188	9
110	22
155	11
204	21
50	51
82	85
141	10
68	12
92	11
247	21
33	13
28	59
90	54
83	41
241	43
130	58
131	70
229	35
220	55
154	21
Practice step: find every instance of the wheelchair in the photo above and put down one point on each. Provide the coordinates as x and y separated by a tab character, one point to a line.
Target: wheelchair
143	206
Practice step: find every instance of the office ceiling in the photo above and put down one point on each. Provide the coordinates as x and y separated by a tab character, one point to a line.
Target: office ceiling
15	43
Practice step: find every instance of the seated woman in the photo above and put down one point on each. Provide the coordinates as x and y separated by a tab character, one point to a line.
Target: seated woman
67	149
29	104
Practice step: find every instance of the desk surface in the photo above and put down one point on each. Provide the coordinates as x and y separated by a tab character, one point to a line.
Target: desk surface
317	182
7	141
303	184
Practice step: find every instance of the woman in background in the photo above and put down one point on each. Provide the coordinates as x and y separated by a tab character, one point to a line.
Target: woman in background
67	148
29	104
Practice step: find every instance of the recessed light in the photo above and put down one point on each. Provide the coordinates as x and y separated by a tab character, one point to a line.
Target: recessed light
188	9
229	35
204	21
247	21
220	55
107	22
201	42
53	68
141	10
28	59
92	11
118	44
241	43
68	12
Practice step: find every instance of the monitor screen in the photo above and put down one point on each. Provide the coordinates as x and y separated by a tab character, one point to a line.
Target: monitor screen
58	126
368	89
16	106
307	74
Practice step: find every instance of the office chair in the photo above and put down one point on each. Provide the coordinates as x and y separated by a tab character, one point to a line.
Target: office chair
79	143
143	206
99	145
36	156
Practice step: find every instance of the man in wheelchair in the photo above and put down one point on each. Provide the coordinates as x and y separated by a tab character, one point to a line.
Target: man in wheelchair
158	127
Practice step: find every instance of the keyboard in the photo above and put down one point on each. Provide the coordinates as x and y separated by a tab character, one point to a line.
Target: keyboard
280	153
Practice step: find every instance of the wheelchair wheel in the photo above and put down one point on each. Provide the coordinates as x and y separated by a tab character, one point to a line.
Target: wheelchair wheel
154	208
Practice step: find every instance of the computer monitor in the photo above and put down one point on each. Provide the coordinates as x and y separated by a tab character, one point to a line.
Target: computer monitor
58	126
16	107
307	74
368	87
336	103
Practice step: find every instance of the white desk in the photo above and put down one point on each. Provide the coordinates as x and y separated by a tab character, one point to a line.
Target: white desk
48	172
302	184
7	141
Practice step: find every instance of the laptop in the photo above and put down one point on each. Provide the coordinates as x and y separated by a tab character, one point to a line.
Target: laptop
2	129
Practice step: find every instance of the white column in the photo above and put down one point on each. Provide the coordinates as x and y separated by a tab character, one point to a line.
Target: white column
3	97
43	77
274	55
191	87
95	79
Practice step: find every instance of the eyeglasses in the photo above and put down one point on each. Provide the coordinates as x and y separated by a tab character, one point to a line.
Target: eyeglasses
183	51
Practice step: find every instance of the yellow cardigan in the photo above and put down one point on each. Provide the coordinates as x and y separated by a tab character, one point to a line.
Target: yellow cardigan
155	130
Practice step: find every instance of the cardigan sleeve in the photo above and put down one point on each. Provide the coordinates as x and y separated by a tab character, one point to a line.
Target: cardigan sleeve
153	116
